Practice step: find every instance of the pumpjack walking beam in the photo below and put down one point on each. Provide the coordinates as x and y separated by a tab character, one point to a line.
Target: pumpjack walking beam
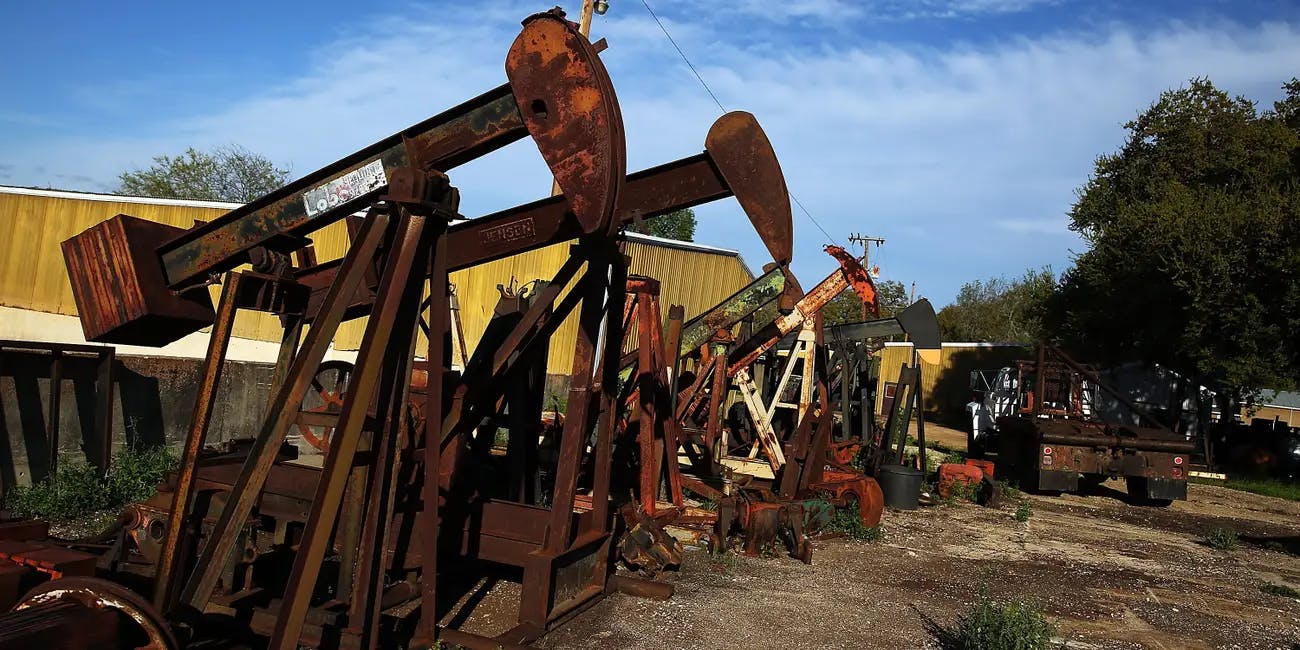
144	292
738	161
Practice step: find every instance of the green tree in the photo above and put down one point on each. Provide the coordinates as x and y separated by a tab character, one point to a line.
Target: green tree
999	309
1193	230
229	173
891	298
678	224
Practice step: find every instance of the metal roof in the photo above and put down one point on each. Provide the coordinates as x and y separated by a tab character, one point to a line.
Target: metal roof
1282	398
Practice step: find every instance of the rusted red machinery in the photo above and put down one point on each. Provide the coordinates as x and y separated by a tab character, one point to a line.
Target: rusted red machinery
365	550
1056	436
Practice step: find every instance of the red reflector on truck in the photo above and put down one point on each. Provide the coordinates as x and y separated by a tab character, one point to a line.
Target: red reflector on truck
1047	451
1178	460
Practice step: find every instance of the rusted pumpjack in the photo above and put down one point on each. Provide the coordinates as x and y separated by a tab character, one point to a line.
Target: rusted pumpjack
346	554
695	425
804	468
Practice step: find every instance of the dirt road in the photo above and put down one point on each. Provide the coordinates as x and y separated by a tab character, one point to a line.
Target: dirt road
1107	574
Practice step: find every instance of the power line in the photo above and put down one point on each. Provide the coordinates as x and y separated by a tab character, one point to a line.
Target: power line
810	217
682	54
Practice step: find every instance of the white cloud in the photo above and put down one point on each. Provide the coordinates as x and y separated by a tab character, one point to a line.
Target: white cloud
965	157
839	11
1054	227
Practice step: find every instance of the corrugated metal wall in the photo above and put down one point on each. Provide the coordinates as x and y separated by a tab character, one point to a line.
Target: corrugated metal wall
33	276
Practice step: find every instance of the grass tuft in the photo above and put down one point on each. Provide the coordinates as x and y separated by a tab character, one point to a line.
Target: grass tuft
1222	539
77	490
1023	511
994	625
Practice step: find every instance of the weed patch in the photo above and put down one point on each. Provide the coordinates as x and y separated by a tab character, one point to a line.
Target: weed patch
848	522
962	491
1222	539
76	489
722	560
1023	511
994	625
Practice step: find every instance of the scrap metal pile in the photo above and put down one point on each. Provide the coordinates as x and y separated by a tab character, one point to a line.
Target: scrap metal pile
416	495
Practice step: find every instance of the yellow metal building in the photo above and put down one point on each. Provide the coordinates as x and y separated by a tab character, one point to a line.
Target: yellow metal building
945	387
1282	406
32	274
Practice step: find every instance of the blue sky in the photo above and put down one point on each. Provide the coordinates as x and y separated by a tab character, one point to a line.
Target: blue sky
956	129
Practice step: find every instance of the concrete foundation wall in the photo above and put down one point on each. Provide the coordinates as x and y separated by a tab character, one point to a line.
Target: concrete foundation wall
152	403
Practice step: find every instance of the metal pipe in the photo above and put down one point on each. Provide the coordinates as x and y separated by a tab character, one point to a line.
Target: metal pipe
1110	440
214	362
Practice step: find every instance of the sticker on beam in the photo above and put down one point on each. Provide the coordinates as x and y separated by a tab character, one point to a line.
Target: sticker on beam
357	182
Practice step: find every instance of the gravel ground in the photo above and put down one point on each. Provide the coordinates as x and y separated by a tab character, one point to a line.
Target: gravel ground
1107	574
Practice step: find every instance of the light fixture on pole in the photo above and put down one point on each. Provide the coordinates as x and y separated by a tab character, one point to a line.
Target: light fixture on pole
601	7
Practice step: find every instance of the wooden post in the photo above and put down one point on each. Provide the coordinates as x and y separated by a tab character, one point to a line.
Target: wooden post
56	397
104	408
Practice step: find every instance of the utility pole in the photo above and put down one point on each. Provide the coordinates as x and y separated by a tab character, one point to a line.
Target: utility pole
866	242
584	17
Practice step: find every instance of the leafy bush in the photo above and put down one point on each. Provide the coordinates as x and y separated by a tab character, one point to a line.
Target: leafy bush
135	473
993	625
1222	539
76	489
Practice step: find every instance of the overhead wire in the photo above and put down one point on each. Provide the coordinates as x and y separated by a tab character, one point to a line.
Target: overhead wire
700	78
